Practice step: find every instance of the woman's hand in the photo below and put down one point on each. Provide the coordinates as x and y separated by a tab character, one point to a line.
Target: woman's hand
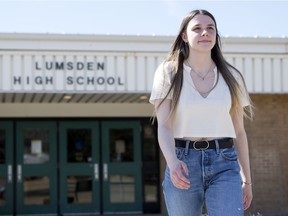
177	171
247	195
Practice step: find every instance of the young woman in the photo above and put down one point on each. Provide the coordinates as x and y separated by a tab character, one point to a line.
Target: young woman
200	101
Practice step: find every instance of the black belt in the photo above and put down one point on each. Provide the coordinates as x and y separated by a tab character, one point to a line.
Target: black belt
204	144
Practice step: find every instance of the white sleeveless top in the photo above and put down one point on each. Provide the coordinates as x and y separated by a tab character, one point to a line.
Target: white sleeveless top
196	116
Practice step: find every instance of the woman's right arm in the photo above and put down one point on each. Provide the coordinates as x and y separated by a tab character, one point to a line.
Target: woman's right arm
178	169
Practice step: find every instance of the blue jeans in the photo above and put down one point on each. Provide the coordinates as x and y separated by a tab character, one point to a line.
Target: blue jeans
215	180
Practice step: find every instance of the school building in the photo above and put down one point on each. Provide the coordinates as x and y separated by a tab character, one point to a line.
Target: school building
75	131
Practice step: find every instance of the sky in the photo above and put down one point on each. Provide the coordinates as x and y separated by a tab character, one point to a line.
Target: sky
138	17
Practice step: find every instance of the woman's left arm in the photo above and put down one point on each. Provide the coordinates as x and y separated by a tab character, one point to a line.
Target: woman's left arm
241	145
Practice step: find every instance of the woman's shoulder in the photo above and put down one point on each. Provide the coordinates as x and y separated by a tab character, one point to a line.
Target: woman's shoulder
166	68
168	65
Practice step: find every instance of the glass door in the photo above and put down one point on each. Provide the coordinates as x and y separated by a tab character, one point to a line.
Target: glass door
36	167
79	167
121	152
6	166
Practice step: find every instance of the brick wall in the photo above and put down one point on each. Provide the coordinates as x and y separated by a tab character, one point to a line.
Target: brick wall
267	137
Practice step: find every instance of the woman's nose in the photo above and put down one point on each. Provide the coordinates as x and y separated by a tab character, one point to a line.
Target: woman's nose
204	32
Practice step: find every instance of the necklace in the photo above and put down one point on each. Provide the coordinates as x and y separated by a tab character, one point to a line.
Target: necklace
198	74
206	93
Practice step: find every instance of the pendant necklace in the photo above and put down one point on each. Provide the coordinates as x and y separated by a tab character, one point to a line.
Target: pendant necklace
202	77
204	93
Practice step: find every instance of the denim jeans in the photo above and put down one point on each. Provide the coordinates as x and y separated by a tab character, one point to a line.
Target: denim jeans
215	180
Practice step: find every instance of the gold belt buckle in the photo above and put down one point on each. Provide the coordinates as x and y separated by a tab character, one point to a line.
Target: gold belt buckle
201	148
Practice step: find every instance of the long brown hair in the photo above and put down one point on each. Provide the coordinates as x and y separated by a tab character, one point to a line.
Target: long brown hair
180	52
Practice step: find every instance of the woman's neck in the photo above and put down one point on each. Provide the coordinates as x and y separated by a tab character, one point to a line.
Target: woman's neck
199	63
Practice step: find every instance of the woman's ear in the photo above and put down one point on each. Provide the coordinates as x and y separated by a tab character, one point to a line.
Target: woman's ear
184	37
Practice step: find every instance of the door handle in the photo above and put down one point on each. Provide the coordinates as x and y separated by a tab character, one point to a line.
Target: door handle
105	172
96	172
9	174
19	173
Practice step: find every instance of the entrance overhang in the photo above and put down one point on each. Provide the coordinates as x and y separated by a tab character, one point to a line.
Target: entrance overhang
70	98
79	105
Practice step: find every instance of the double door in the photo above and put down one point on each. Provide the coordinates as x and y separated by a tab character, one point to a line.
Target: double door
70	167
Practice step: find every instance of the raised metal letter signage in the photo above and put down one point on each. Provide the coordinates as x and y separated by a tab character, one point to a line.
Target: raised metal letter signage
61	73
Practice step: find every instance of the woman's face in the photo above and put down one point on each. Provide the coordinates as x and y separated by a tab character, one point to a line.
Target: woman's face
200	33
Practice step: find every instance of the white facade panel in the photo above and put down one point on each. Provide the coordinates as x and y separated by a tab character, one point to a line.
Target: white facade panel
79	78
239	64
60	75
70	73
131	73
277	77
27	70
285	74
267	75
120	72
16	70
100	73
120	69
248	73
67	72
151	66
108	64
262	73
141	73
110	74
258	75
6	73
253	47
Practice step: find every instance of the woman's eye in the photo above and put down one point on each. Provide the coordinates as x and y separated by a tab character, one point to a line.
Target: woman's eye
211	28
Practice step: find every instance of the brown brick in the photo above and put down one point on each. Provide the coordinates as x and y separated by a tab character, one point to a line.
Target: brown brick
267	137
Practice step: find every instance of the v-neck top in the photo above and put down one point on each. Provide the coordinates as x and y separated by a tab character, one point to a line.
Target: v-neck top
195	115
